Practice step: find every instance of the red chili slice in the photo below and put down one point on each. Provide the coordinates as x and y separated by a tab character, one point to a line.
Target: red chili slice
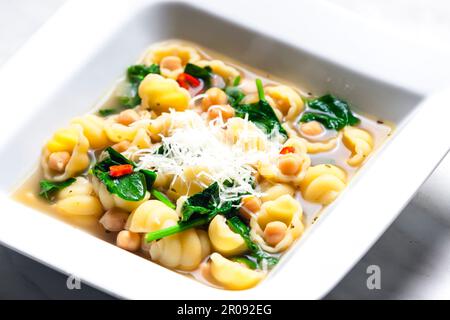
120	170
185	80
287	150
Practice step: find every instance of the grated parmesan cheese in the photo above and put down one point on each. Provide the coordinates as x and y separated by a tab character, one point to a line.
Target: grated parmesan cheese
194	142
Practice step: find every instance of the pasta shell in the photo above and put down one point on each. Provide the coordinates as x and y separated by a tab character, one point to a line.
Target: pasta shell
71	140
183	251
93	130
151	216
270	171
78	200
223	239
161	95
287	101
323	183
284	209
233	275
359	142
156	53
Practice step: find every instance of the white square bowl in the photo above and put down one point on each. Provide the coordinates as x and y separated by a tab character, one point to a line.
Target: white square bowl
64	69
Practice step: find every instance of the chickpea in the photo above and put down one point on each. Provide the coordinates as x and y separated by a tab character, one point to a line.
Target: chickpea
57	161
121	146
214	96
128	240
226	112
250	204
289	164
127	117
114	219
312	128
171	63
274	232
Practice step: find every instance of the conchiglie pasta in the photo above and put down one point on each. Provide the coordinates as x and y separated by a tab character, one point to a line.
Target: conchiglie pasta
284	209
359	142
323	183
81	186
151	215
183	251
73	141
117	132
160	94
171	67
233	275
228	73
223	239
93	130
287	101
272	170
78	200
109	200
185	53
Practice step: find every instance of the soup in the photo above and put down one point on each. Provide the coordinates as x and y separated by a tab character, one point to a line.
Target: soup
202	165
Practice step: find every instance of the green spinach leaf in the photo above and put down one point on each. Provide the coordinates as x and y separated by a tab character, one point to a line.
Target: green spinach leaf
131	187
128	102
150	177
179	227
261	113
198	72
49	188
236	81
206	203
118	157
199	209
333	112
137	73
239	227
108	112
328	121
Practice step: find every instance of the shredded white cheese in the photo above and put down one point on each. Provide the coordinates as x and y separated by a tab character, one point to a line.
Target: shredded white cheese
193	141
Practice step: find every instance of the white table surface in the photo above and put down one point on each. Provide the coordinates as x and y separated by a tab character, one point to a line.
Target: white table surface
413	254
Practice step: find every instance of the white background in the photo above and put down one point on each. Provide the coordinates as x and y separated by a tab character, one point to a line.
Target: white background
414	254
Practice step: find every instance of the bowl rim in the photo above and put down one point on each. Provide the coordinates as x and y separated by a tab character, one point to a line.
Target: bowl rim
323	270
